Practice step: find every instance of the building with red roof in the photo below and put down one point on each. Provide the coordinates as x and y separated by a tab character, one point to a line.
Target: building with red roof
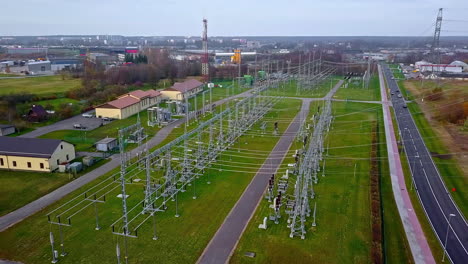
179	91
128	104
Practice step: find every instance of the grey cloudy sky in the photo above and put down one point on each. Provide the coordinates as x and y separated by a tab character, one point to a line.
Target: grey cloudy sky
228	18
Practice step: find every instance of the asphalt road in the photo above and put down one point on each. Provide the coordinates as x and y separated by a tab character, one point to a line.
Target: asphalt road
66	124
417	240
20	214
433	194
221	246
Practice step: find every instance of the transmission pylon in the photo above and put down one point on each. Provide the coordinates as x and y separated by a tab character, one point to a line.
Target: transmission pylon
204	60
435	51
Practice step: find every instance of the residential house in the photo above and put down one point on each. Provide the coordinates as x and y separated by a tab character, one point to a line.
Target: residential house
37	114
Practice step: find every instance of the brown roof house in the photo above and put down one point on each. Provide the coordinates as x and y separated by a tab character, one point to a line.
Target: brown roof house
37	113
128	104
179	91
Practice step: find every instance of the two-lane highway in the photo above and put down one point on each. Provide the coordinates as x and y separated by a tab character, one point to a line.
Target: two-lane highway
446	219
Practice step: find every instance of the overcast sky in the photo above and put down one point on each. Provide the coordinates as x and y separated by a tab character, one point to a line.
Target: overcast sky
229	18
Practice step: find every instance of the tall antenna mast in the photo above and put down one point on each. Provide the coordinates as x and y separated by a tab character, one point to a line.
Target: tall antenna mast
204	59
435	51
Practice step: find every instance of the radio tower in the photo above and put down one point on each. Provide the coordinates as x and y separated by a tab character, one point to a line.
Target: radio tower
435	51
204	59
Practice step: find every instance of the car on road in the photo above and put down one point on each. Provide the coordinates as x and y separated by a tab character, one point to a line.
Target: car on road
399	96
78	126
393	93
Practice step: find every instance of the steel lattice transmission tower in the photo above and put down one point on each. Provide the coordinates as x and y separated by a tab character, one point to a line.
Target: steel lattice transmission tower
435	42
204	59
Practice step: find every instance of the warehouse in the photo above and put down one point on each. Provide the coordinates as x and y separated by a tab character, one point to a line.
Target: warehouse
38	67
179	91
128	104
34	154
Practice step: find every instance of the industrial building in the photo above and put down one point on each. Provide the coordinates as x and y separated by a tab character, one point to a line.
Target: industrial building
34	154
128	104
424	66
65	64
39	67
179	91
101	58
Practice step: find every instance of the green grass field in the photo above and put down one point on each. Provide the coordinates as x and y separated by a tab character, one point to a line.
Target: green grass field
290	89
181	240
17	188
47	85
357	92
343	231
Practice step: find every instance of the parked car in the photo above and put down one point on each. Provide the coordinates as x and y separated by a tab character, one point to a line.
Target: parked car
87	115
79	126
399	96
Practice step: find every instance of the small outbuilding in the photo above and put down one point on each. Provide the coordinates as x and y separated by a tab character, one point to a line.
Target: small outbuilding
107	144
6	130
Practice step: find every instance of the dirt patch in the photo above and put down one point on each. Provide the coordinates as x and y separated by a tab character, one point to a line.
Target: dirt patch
450	134
441	156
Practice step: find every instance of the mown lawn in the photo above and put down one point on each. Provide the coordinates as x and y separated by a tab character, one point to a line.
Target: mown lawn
357	92
290	89
181	240
47	85
343	231
18	188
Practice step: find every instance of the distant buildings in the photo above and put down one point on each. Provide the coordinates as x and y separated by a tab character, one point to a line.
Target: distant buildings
34	154
39	67
26	50
424	66
179	91
101	58
128	104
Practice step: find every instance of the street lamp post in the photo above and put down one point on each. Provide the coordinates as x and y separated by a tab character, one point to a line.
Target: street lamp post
446	236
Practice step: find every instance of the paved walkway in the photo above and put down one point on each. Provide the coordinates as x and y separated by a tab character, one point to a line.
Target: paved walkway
20	214
414	233
221	246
